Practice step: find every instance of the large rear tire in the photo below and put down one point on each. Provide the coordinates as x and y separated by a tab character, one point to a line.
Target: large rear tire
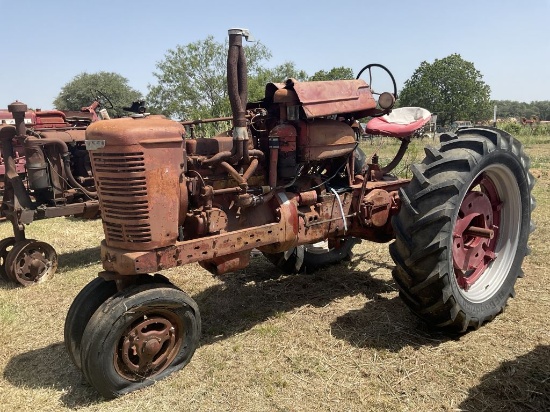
462	231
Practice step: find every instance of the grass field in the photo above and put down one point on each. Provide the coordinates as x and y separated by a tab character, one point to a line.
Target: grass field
337	340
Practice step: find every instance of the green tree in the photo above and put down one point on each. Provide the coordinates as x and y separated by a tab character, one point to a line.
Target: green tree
504	108
336	73
192	81
544	109
84	88
450	87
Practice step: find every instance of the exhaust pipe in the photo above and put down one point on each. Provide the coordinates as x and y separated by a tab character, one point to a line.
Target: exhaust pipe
237	84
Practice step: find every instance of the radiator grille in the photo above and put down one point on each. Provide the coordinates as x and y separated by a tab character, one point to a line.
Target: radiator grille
119	162
127	232
122	187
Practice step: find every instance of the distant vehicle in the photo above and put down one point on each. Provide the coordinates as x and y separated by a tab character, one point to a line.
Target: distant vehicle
459	124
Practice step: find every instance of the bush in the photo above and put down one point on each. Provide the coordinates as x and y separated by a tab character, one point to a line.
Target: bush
518	129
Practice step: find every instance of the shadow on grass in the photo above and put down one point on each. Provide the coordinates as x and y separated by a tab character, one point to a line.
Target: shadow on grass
78	258
262	291
50	367
385	323
522	384
8	284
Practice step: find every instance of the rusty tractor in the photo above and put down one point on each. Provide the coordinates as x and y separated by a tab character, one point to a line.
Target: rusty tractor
46	173
288	180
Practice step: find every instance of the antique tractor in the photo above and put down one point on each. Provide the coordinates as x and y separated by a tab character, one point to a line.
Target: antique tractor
286	178
46	173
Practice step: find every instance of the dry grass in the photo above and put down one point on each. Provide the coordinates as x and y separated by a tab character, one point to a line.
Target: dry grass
338	340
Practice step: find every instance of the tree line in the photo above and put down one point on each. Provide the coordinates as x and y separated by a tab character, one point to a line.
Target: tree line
507	109
190	83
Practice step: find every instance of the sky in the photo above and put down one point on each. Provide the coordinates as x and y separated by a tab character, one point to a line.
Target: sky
46	44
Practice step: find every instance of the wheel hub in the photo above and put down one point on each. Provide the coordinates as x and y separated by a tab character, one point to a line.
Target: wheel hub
30	262
147	348
475	233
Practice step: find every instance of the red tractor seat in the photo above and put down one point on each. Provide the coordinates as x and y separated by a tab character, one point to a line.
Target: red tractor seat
399	123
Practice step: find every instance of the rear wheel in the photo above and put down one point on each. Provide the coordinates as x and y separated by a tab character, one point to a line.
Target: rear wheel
462	231
140	335
309	257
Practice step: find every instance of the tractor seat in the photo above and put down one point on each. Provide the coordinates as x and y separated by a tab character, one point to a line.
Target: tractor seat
399	123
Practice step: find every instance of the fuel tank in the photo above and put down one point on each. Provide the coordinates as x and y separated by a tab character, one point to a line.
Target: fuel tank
321	139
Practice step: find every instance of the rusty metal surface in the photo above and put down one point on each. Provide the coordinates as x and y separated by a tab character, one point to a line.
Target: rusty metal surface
66	135
213	236
325	98
39	174
180	253
208	146
282	234
129	130
375	208
18	155
324	139
86	210
45	173
326	219
138	180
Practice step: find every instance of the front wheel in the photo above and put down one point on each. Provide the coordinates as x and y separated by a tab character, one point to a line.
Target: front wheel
30	262
82	309
6	245
462	231
140	335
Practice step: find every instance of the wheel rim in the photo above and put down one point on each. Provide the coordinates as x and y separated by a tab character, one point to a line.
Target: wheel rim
486	235
318	248
149	345
5	247
31	262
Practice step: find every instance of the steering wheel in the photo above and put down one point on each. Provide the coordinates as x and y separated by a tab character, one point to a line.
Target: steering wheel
102	98
369	68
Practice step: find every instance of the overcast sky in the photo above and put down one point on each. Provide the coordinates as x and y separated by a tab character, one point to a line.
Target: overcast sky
46	44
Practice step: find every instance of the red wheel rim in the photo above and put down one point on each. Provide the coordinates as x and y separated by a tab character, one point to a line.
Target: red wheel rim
476	232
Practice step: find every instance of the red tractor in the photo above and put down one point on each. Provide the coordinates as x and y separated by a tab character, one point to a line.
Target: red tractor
285	178
45	172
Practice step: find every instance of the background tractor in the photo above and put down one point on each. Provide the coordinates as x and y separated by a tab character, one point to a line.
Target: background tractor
45	172
289	181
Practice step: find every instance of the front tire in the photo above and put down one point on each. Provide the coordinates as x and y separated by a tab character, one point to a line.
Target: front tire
84	305
6	245
141	335
462	231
